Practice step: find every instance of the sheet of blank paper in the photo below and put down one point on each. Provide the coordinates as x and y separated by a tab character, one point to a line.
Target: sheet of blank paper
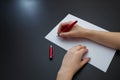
101	56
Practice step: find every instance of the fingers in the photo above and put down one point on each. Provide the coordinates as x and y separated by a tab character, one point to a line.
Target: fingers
84	61
62	26
65	34
81	51
80	47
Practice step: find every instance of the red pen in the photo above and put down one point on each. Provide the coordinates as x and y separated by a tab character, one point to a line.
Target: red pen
68	27
51	52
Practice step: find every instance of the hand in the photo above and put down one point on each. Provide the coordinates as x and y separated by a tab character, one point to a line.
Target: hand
72	62
76	31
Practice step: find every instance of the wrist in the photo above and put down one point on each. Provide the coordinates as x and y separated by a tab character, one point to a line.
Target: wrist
64	75
85	33
89	34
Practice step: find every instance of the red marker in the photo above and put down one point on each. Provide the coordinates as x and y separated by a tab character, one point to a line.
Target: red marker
51	52
68	27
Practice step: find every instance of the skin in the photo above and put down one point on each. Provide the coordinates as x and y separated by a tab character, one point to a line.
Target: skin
72	60
109	39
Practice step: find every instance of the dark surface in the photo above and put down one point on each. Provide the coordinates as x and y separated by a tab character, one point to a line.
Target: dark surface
23	25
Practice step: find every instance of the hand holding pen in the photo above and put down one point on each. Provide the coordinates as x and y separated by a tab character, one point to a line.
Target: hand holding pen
73	31
66	27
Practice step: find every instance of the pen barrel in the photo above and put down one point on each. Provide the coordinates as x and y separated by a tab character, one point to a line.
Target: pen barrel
68	27
50	52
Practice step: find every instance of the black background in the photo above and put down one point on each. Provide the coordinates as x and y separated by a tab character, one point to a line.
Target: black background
25	23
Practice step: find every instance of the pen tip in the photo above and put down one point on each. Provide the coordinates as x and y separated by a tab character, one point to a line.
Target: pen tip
76	21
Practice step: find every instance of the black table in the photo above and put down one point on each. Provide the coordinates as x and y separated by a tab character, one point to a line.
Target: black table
24	50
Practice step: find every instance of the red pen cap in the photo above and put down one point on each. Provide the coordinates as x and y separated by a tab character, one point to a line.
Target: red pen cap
51	52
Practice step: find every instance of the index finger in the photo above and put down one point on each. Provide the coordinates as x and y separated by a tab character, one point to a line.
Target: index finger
82	52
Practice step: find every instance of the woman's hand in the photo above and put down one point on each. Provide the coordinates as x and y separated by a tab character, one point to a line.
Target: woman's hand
76	31
72	62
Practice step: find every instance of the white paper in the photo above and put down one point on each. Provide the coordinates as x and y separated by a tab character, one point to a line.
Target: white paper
100	55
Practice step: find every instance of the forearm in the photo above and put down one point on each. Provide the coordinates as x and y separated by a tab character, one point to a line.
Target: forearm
109	39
